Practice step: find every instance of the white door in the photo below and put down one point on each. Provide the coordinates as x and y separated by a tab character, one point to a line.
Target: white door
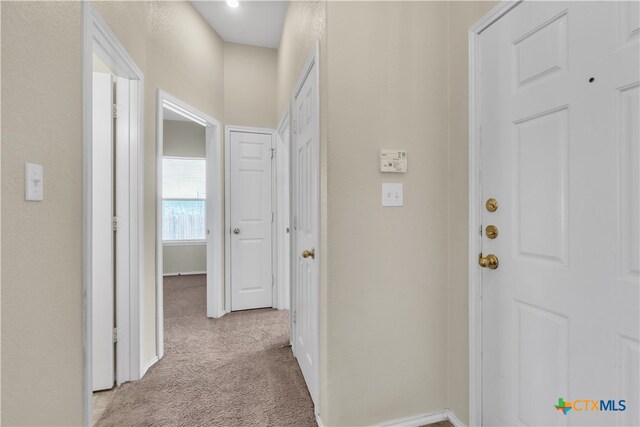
283	229
251	219
559	152
102	251
306	229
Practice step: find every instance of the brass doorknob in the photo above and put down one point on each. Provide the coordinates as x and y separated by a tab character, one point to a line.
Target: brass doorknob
491	231
311	253
489	261
236	231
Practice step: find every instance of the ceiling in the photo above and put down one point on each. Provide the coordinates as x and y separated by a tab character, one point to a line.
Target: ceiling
257	23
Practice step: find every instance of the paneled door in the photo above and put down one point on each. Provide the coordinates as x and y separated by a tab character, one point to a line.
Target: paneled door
306	152
251	219
559	85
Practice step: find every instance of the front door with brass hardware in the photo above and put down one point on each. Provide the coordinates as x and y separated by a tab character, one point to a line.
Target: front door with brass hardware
558	163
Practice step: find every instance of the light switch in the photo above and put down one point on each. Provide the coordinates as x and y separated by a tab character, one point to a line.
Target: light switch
392	194
34	182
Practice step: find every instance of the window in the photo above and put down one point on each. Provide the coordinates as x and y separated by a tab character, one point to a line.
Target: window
183	199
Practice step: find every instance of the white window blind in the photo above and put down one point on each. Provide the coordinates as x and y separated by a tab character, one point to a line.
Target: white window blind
183	199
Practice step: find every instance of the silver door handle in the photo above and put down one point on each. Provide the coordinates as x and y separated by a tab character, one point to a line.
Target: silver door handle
236	230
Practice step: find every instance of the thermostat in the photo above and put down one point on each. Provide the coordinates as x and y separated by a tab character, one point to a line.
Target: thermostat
393	161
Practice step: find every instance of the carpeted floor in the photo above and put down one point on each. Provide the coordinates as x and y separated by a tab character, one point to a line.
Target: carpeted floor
232	371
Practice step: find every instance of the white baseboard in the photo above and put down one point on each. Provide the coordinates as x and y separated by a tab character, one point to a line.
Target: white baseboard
186	273
149	364
453	419
420	420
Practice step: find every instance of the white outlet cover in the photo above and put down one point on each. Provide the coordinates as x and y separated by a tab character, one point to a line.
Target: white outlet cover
33	182
392	195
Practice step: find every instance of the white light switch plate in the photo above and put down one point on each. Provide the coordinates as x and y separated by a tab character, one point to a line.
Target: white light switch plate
392	194
34	182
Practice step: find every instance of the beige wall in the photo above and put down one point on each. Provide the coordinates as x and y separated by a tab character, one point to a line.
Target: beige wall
184	259
42	366
183	139
462	15
250	85
386	308
179	53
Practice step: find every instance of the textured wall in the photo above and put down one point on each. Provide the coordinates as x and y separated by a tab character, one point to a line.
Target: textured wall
387	274
250	85
179	53
461	16
42	368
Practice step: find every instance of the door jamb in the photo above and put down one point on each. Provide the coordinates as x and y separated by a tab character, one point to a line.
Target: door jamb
99	39
213	208
475	241
227	209
280	287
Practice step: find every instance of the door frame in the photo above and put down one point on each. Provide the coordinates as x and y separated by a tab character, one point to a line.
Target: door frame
280	288
99	39
213	208
475	213
227	210
313	60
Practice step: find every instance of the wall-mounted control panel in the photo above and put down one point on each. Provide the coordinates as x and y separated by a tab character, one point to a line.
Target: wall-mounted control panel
393	161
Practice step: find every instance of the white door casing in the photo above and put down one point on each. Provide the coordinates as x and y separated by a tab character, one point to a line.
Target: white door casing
250	217
102	255
306	225
283	229
558	95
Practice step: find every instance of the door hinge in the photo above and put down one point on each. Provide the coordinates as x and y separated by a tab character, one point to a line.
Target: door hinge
293	126
272	281
115	222
115	334
295	223
273	216
294	316
273	150
116	111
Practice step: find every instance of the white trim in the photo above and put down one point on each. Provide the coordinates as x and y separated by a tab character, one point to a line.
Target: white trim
184	242
227	206
279	290
149	364
419	420
98	39
314	59
318	420
213	207
453	419
475	242
184	273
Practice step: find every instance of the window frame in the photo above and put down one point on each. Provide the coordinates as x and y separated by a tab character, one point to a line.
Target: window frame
185	242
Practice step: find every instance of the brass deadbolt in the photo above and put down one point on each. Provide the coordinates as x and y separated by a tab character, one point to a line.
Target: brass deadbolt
490	261
492	205
491	231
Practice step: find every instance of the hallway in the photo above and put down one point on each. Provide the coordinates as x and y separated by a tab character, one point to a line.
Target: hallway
230	371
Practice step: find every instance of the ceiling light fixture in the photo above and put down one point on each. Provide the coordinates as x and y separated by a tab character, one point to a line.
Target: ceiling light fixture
233	3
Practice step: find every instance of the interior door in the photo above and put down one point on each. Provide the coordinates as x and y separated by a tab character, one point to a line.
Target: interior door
251	220
102	251
559	154
306	229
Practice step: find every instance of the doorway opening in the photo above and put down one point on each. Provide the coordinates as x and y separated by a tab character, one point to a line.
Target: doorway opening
189	203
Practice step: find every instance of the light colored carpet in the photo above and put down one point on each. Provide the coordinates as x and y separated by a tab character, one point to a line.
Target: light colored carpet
232	371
